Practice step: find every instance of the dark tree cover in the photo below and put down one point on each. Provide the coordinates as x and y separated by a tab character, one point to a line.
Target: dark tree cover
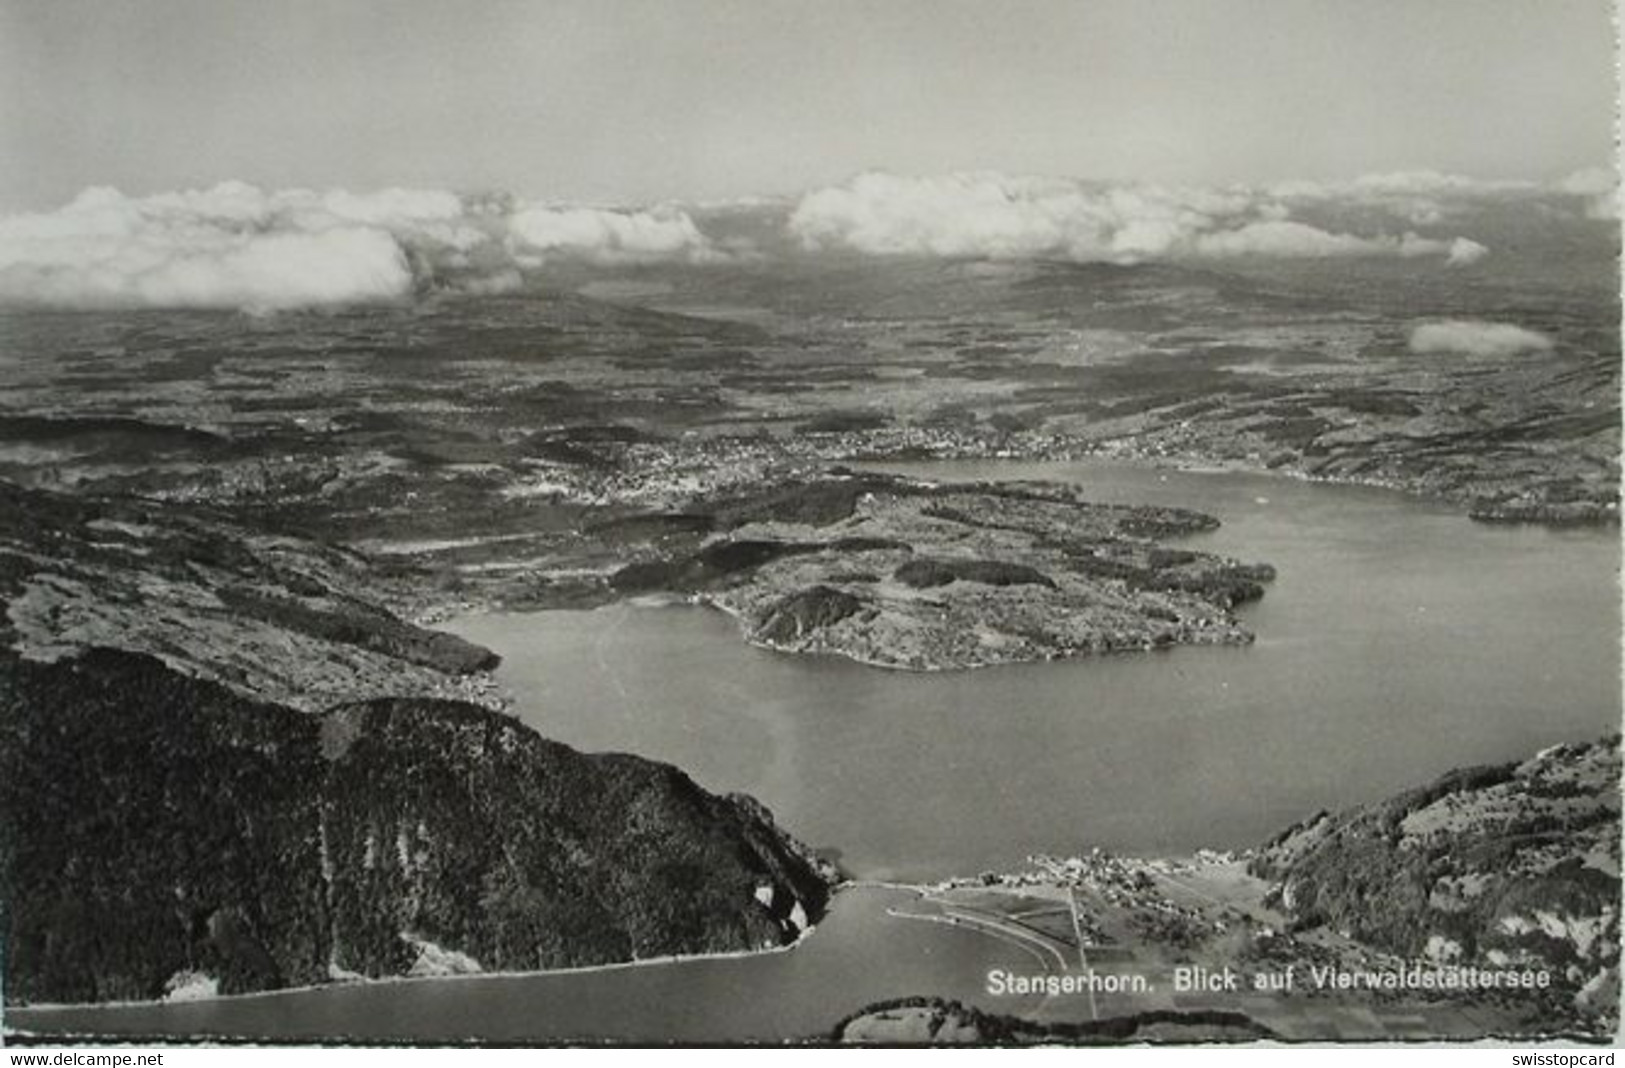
925	573
1519	837
155	823
805	611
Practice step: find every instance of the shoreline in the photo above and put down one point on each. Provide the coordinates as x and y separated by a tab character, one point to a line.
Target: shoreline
1086	453
917	889
922	889
439	616
393	980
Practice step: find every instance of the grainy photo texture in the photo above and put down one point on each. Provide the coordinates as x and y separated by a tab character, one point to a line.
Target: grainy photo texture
792	521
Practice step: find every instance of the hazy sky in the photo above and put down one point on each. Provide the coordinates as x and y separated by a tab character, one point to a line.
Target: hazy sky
625	100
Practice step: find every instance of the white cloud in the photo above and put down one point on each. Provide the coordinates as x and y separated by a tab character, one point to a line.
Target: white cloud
238	246
1003	217
997	216
1412	183
1599	187
221	248
1427	198
1464	251
1287	239
1472	337
1401	186
1418	197
1589	182
612	236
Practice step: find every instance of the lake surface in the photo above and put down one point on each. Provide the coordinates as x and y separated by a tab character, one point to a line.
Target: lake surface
857	956
1399	640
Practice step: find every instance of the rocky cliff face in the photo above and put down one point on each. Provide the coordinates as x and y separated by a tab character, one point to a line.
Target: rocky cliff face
1515	865
159	827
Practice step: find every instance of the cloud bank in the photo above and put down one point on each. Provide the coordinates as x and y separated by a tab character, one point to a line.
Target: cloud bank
1003	217
236	246
1428	197
1472	337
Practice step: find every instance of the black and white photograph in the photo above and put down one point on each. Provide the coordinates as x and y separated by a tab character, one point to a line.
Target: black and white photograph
828	523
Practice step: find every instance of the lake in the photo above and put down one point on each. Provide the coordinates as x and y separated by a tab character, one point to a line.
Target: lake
1399	640
857	956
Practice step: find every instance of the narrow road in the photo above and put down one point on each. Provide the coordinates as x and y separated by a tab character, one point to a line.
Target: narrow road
1083	959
